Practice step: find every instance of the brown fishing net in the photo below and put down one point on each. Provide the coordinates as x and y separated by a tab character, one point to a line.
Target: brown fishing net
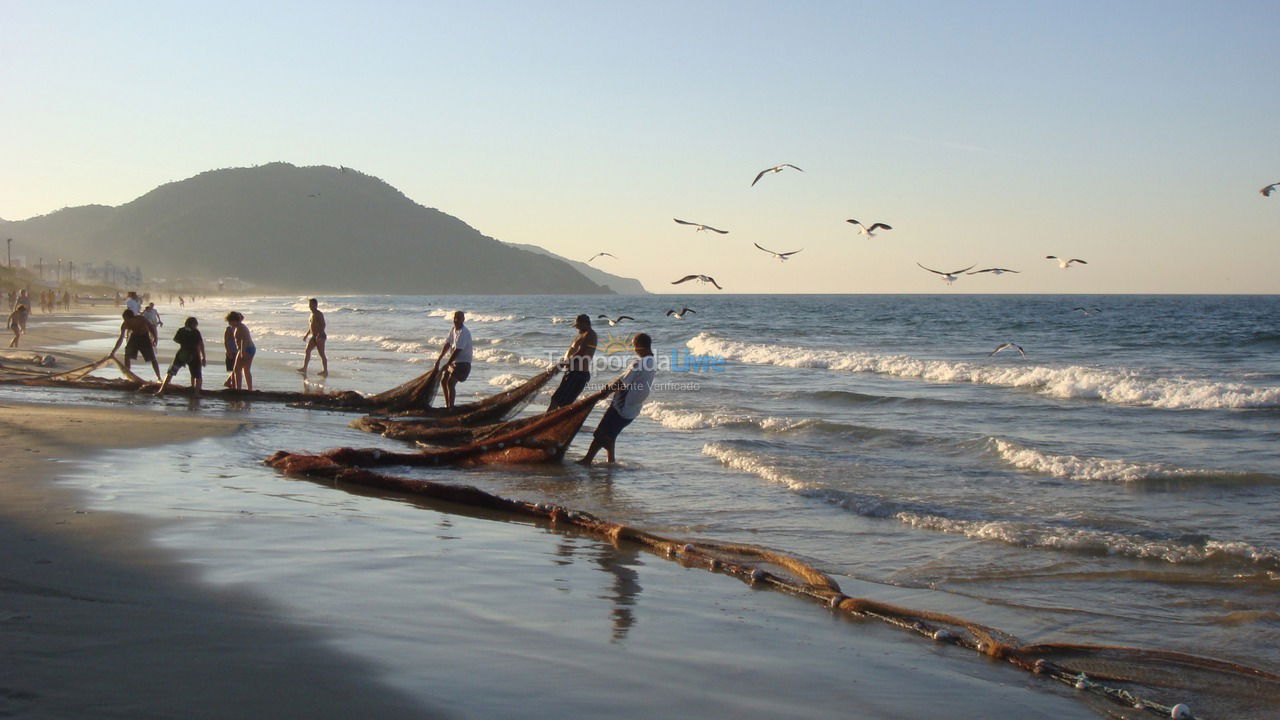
412	397
1118	682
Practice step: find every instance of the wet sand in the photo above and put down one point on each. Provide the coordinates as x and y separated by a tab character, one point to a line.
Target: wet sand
98	621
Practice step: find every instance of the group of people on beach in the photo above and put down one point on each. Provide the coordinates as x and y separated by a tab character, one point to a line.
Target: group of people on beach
139	335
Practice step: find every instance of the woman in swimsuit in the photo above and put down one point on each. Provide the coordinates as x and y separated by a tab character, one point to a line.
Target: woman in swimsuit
241	373
18	323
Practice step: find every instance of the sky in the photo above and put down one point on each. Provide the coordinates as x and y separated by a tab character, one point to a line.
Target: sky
1134	135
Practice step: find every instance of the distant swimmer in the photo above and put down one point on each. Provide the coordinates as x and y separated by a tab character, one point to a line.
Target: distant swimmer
142	340
774	169
993	271
631	390
869	231
1063	263
458	367
950	277
315	338
700	227
699	278
1266	191
1088	310
680	315
576	364
614	321
1006	346
781	256
603	254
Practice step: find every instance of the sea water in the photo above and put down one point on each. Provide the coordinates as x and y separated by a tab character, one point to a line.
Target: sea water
1117	484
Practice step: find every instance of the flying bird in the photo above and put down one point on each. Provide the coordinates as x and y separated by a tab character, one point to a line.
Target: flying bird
781	256
775	169
950	277
1064	263
699	278
680	315
603	254
869	230
1088	311
1006	346
700	227
993	271
1266	191
614	321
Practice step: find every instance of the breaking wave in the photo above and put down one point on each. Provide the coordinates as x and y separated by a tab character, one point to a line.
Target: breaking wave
1108	470
1124	387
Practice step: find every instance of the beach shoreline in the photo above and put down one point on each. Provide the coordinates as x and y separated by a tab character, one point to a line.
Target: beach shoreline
100	621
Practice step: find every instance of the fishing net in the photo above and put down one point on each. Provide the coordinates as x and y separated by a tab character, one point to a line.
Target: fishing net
542	438
411	397
1117	681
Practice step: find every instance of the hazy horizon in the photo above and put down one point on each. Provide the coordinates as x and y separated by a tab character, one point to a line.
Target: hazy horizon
987	134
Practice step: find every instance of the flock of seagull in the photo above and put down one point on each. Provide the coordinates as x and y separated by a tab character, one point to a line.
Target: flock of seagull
868	230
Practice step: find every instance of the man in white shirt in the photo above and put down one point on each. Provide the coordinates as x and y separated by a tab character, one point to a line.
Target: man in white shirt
133	302
633	389
458	367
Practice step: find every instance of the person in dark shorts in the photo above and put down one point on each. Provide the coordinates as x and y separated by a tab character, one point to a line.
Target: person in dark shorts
576	364
458	366
229	344
190	354
632	389
315	338
142	340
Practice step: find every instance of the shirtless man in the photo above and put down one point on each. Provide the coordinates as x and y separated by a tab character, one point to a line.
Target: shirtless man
576	364
142	340
315	338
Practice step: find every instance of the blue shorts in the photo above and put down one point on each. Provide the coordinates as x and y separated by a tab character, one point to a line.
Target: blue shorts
610	425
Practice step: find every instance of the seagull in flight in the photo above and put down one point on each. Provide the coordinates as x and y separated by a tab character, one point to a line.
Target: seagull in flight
774	169
950	277
680	315
993	271
1266	191
1088	310
781	256
1006	346
603	254
699	278
1063	262
700	227
614	321
869	230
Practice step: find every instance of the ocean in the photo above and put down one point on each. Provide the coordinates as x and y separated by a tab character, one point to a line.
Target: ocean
1118	483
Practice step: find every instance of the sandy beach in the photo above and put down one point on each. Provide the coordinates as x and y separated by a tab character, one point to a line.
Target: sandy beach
100	621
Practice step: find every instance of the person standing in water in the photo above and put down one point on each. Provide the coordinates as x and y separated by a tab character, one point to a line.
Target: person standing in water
18	323
576	364
190	354
315	338
632	389
142	340
241	370
458	366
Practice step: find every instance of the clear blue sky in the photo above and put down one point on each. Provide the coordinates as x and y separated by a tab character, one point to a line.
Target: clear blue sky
1134	135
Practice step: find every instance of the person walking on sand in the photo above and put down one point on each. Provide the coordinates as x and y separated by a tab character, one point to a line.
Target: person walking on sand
190	354
142	340
241	370
458	366
315	338
576	364
18	323
632	389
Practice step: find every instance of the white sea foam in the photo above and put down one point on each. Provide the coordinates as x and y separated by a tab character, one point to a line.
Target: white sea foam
685	419
1092	468
1119	386
506	380
1012	532
1024	534
477	317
